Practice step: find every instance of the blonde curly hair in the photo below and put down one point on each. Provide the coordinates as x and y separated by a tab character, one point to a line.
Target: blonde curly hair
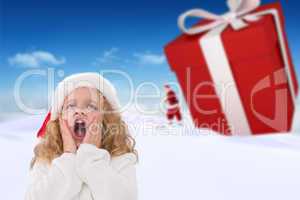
115	137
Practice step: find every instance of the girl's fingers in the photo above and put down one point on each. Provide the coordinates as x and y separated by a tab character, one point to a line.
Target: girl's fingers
94	128
64	127
68	141
97	117
60	124
93	135
95	124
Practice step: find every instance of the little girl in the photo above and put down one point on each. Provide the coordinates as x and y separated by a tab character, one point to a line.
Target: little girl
85	151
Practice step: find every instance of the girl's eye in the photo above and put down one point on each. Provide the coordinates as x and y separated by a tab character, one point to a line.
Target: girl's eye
93	107
70	106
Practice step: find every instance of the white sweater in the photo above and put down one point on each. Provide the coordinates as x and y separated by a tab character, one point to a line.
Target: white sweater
90	174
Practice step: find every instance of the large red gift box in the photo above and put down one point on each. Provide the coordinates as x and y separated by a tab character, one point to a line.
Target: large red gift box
260	98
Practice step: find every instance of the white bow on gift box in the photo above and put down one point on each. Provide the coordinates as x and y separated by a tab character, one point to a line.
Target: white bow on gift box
239	10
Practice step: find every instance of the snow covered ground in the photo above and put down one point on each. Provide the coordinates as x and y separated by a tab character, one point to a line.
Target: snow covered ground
184	163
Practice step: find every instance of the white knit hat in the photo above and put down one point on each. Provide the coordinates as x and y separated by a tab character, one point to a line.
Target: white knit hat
67	85
87	79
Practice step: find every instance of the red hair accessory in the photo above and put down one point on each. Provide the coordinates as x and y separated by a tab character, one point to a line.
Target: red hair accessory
42	130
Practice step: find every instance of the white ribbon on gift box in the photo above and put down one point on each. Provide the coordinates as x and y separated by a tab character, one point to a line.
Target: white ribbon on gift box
220	70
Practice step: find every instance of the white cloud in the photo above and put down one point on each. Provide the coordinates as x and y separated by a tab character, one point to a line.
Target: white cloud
35	59
150	58
109	57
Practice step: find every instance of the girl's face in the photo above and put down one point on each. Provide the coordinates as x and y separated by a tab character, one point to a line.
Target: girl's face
80	107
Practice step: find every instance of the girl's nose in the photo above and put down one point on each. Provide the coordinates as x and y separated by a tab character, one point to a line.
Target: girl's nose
80	111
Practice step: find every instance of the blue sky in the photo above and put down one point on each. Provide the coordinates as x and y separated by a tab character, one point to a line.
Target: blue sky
77	36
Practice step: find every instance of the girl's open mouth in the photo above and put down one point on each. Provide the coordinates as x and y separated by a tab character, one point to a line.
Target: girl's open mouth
79	129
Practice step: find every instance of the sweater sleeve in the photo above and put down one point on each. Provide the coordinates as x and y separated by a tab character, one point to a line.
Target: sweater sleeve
108	179
56	181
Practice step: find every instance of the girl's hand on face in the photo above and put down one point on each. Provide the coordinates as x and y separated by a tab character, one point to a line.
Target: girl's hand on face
68	141
94	132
